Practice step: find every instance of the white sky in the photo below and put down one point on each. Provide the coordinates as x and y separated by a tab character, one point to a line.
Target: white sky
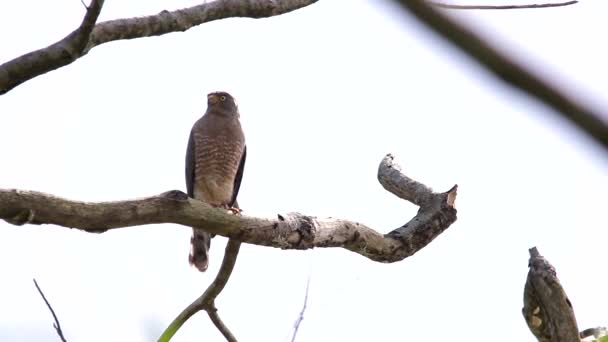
324	93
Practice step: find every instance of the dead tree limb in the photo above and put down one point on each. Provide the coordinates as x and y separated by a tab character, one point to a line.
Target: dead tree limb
207	300
56	324
509	71
287	231
89	35
501	7
547	309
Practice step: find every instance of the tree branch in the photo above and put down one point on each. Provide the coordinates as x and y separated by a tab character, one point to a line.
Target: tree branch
547	309
63	52
89	35
56	325
501	7
296	326
207	300
509	71
215	318
289	231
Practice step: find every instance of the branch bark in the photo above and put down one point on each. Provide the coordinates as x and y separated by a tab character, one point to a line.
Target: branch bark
289	231
501	7
510	72
547	309
89	35
61	53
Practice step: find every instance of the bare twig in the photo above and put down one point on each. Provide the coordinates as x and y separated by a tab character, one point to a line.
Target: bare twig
286	231
547	309
501	7
512	73
56	325
296	326
207	300
81	41
61	53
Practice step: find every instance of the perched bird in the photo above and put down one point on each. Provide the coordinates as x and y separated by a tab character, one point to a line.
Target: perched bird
215	160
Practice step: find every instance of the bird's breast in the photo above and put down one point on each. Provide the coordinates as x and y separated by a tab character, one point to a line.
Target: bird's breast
217	160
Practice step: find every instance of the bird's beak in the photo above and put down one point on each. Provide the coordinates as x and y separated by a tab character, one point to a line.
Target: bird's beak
212	99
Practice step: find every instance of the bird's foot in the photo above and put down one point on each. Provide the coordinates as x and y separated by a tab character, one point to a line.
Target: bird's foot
233	210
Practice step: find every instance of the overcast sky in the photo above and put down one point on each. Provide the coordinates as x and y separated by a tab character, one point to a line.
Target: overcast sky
324	93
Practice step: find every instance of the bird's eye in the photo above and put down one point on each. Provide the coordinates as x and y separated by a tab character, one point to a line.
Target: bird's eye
223	98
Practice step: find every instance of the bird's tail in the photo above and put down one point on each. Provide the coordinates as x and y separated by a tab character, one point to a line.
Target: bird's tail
199	250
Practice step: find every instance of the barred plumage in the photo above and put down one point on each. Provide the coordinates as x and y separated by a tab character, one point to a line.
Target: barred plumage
215	160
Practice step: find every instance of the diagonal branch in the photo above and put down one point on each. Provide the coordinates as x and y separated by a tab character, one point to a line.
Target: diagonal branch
86	37
288	231
296	326
61	53
56	325
207	300
502	7
509	71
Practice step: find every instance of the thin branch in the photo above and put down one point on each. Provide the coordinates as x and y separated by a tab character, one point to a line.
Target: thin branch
547	309
56	325
296	326
287	231
215	318
81	41
501	7
512	73
207	300
61	53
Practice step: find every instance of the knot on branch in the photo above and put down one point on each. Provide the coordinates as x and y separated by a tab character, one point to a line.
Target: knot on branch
21	217
300	231
175	195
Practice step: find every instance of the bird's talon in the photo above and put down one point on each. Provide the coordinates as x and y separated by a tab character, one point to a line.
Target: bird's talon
235	211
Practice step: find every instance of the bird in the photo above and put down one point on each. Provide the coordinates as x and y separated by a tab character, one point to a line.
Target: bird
215	161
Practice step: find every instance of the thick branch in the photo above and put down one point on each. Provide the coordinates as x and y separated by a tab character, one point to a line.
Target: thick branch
508	70
207	300
501	7
63	52
289	231
81	41
547	309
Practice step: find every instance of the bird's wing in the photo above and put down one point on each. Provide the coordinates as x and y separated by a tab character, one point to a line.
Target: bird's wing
190	166
238	178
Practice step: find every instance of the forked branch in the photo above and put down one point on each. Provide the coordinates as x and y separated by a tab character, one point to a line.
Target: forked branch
287	231
207	300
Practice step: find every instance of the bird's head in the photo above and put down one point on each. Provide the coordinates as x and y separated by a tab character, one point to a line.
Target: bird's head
222	103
